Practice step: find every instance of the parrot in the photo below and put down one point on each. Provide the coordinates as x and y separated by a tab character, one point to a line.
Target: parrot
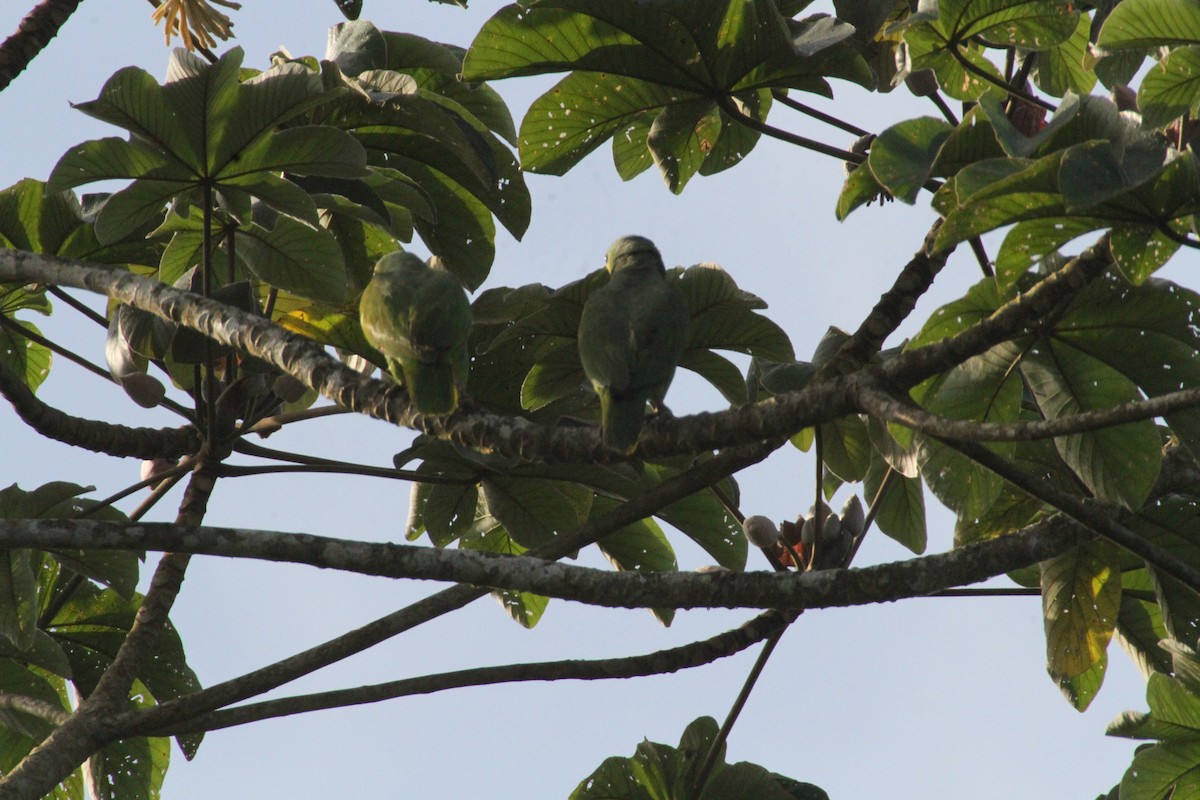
419	318
632	333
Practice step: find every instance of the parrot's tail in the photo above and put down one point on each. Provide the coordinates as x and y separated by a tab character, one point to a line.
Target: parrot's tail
621	421
431	387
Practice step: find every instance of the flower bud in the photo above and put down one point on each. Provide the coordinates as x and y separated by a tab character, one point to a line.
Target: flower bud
760	531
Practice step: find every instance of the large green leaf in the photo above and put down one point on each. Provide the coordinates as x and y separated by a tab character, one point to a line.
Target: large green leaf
1142	24
1170	767
1064	67
534	511
1118	464
1147	334
1171	88
899	506
657	771
902	156
641	547
1081	598
296	258
983	388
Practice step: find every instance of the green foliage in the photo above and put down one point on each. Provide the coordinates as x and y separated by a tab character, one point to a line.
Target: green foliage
63	616
275	192
665	81
661	771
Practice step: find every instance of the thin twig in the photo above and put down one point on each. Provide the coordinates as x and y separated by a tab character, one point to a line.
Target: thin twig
710	760
78	306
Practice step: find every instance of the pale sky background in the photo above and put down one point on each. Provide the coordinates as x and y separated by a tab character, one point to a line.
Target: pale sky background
926	698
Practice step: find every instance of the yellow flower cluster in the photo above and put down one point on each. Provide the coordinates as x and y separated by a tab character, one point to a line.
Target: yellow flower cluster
195	21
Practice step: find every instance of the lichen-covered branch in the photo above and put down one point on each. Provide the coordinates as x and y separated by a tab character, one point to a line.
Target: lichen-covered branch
903	412
341	647
818	589
307	361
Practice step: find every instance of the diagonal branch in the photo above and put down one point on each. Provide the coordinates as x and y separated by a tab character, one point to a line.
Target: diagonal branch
661	662
1012	319
1090	514
893	308
33	34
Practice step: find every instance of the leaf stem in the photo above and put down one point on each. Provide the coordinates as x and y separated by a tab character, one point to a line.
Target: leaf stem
782	96
800	141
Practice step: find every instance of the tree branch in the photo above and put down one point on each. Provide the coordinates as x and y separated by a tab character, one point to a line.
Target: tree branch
661	662
95	435
307	360
780	590
893	308
1092	515
355	641
1010	320
903	412
33	34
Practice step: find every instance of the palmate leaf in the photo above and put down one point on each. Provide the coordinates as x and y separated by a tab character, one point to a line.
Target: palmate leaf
641	547
534	511
943	34
440	133
1108	318
1118	464
983	388
903	155
1172	88
1173	523
900	509
203	126
1063	67
649	75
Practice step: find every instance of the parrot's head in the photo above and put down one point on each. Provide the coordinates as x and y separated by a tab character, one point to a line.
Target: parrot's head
399	263
633	252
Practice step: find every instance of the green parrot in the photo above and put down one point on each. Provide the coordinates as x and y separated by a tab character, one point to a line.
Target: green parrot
632	333
419	318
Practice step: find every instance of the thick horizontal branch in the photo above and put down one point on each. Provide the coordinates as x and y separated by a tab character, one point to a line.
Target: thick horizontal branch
820	589
95	435
903	412
308	362
661	662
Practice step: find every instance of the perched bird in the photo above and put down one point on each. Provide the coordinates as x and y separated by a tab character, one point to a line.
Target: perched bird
419	318
632	333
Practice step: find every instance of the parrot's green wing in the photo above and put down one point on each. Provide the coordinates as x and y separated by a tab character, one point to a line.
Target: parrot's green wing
660	331
420	319
632	333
